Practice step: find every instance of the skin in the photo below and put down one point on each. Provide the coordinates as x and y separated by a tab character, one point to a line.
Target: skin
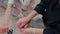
5	19
19	10
31	6
31	31
24	21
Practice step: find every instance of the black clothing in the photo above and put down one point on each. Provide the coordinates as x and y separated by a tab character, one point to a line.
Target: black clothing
51	31
50	9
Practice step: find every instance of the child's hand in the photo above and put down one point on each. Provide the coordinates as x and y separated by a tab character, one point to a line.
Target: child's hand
3	25
22	22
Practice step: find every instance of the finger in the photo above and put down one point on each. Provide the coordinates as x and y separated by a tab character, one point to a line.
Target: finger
26	26
18	24
22	25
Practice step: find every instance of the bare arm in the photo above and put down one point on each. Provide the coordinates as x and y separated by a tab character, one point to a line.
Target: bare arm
32	14
8	12
31	7
19	10
18	7
23	21
32	3
32	31
5	19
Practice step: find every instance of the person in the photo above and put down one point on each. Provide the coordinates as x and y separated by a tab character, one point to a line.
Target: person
50	9
4	21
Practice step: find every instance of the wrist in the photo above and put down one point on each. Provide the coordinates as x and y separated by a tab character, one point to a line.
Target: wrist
32	14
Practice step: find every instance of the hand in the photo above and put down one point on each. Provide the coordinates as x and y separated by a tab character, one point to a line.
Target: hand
3	29
22	22
3	25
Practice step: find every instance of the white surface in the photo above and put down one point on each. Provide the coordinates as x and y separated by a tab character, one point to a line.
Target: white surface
11	1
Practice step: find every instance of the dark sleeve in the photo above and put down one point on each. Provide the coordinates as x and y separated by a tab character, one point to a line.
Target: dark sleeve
40	7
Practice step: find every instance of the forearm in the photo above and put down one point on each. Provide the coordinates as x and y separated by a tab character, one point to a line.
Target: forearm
8	12
19	10
31	6
31	15
18	7
5	19
39	31
32	3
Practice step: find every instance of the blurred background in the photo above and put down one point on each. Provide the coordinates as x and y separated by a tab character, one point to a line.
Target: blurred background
36	22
